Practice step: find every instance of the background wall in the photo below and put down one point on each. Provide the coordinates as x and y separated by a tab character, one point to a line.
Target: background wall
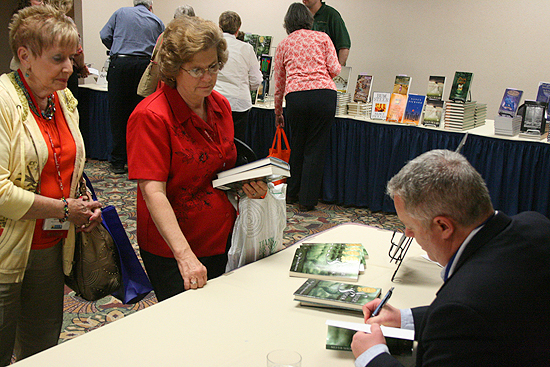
504	45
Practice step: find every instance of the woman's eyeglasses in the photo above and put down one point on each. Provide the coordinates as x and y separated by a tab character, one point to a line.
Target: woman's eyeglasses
199	72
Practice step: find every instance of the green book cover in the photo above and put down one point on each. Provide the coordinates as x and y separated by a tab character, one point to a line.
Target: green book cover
461	86
335	294
334	261
340	339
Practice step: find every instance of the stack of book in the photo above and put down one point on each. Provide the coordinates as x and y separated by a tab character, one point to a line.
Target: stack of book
268	169
360	109
459	116
342	103
329	261
326	293
506	125
533	136
480	114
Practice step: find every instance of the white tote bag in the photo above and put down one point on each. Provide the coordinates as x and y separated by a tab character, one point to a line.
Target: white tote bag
258	230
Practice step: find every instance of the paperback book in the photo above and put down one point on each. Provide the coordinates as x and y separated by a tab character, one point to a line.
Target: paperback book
462	84
342	79
362	88
339	338
414	109
396	109
436	86
510	102
433	113
543	92
334	261
380	104
268	172
326	293
256	164
402	84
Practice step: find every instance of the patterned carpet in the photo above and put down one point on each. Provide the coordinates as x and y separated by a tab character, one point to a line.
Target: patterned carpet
83	316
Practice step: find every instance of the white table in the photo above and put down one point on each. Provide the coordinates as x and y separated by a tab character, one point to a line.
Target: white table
238	318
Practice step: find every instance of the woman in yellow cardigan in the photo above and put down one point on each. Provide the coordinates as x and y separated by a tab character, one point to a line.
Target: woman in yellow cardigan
41	163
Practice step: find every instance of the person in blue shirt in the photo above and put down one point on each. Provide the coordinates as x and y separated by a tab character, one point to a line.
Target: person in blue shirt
130	35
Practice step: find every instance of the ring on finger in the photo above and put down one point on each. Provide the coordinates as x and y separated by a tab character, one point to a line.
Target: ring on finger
193	282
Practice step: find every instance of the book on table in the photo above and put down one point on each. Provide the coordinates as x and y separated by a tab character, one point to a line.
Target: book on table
380	103
510	102
461	86
396	109
342	80
328	261
248	172
436	86
362	88
327	293
533	122
433	113
414	109
402	84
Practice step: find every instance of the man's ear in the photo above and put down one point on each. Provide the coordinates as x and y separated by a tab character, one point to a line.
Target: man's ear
445	226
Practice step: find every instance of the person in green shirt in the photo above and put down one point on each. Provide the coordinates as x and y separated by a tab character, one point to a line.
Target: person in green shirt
328	20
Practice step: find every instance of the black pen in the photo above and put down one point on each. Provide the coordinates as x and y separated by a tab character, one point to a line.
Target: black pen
381	304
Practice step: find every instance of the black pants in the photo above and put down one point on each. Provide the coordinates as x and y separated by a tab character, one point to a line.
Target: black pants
123	79
165	275
240	120
310	115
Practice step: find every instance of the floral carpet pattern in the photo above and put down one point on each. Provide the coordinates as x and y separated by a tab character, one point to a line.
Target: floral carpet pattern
82	316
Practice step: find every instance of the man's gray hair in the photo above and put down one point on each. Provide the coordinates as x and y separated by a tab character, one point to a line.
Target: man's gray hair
441	182
184	10
147	3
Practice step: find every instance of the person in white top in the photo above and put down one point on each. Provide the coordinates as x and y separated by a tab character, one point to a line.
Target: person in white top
240	75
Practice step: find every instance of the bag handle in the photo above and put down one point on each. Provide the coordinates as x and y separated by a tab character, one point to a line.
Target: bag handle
89	186
280	134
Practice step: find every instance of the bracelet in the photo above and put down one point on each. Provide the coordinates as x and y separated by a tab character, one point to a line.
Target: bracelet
65	210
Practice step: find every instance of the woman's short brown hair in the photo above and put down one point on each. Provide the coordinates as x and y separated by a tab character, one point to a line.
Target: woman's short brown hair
41	27
297	17
183	38
230	22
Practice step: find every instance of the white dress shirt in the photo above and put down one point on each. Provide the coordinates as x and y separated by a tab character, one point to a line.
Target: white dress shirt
240	74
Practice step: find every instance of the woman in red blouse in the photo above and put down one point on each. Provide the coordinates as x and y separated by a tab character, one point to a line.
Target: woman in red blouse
305	63
179	138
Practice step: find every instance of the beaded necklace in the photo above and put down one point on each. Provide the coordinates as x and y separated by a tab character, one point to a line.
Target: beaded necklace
50	108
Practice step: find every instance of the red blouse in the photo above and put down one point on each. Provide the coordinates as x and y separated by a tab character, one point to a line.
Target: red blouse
168	142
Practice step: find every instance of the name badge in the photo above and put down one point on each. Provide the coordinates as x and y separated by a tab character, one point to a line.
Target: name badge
54	224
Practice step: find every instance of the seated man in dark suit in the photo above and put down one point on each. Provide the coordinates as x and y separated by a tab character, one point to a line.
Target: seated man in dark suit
494	306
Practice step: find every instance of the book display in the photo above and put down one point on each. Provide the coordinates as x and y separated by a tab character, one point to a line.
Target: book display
436	86
462	84
402	84
380	104
396	108
261	44
269	169
359	109
363	88
510	102
342	100
480	114
325	293
433	113
342	79
414	109
533	120
328	261
266	62
508	126
460	116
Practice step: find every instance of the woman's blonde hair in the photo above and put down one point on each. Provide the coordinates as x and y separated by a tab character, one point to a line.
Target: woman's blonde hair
183	38
41	27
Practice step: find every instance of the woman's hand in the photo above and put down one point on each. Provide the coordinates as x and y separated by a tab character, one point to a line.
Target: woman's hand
255	189
279	121
83	212
192	271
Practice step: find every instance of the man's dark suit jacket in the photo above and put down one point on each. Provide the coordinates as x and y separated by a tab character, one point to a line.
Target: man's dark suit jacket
494	310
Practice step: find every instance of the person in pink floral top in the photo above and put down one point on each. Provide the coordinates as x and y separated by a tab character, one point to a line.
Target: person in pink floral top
305	63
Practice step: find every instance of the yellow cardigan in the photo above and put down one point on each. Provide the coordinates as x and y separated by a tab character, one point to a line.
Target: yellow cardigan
23	154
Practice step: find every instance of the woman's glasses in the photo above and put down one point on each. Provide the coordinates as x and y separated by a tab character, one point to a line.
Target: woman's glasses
199	72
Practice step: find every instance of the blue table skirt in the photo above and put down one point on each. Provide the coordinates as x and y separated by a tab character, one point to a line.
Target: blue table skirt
363	156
